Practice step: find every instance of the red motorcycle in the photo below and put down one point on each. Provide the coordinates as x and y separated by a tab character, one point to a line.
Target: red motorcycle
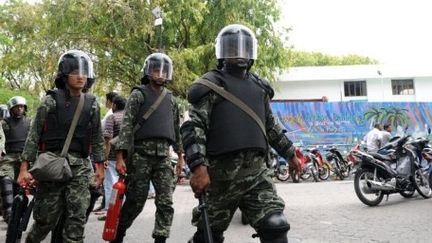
307	166
353	161
321	166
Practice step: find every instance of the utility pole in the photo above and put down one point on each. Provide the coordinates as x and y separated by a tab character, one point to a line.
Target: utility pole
157	13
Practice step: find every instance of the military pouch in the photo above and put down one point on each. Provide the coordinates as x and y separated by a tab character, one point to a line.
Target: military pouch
50	167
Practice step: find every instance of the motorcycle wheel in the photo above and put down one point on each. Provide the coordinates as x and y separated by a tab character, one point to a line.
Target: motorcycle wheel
363	191
324	172
421	183
407	194
305	176
283	174
315	174
345	169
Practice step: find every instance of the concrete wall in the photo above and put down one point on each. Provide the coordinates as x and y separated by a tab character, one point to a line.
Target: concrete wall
377	90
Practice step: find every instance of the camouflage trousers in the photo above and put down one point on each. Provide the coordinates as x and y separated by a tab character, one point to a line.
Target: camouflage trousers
239	181
72	198
9	165
141	169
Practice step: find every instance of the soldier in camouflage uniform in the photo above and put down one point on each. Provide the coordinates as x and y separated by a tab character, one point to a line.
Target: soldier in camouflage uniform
150	159
48	133
2	143
226	149
15	128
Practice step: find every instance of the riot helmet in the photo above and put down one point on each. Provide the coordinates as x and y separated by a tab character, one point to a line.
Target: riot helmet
157	65
236	41
17	100
74	62
4	111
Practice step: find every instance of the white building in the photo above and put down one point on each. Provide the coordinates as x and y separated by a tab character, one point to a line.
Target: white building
374	83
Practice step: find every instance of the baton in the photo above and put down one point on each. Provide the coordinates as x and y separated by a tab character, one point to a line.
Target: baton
205	219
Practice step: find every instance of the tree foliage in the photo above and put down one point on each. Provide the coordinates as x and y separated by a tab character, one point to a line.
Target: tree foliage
299	58
120	34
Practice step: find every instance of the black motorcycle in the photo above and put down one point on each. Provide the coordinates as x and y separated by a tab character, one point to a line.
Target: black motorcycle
338	164
279	167
397	171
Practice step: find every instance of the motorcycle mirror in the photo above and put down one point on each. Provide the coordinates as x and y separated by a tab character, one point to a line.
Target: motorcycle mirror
429	130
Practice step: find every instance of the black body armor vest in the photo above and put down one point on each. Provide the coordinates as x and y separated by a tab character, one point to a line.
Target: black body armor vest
57	124
17	134
161	122
230	128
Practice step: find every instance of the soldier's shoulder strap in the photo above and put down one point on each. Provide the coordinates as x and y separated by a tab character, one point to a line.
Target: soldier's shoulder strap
233	99
264	84
197	92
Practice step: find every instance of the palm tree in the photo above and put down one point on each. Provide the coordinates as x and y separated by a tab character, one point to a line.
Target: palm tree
373	115
397	116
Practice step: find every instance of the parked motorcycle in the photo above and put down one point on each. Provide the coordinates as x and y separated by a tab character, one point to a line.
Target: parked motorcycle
398	171
338	164
279	167
307	166
427	156
318	161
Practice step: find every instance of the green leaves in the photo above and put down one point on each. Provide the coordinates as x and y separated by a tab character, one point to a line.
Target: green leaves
119	35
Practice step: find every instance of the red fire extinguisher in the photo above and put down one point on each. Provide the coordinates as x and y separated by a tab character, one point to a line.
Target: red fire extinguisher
113	213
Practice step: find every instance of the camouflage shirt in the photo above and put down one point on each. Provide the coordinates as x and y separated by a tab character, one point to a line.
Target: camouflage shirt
2	141
49	105
200	114
154	146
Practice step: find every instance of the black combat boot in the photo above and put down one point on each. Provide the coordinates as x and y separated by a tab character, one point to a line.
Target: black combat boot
119	237
160	239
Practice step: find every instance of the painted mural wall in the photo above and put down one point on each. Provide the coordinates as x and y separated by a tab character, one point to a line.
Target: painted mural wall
346	123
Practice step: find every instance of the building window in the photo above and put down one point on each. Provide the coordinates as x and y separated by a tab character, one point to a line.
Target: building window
403	87
355	88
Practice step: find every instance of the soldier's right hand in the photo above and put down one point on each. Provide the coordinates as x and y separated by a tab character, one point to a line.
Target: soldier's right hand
25	178
121	166
199	180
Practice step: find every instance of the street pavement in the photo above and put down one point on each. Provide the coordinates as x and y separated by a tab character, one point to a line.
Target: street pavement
318	212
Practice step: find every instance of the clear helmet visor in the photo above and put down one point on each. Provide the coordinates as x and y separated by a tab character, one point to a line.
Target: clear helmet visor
76	62
157	66
238	44
4	112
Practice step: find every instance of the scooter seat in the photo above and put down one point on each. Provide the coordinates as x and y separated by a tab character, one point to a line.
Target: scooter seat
380	156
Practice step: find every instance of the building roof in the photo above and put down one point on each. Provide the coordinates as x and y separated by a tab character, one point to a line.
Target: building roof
353	72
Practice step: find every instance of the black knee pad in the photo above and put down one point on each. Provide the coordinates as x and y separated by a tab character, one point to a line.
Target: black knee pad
6	184
273	228
199	237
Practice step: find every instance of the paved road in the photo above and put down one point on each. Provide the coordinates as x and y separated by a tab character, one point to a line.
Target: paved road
318	212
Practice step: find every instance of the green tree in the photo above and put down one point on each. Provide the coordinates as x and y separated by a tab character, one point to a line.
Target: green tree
300	58
120	34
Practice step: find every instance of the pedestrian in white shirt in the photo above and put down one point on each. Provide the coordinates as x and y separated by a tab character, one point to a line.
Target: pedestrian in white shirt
386	134
373	138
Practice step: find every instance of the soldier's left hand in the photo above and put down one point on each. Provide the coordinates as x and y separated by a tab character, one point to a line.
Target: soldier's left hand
294	163
179	165
99	174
